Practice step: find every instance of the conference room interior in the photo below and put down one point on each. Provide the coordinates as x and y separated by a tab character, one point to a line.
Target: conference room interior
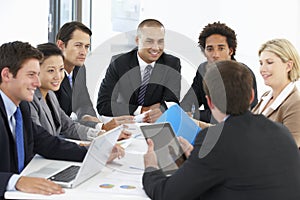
114	23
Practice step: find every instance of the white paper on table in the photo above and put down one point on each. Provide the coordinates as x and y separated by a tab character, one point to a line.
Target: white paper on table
125	142
120	183
105	119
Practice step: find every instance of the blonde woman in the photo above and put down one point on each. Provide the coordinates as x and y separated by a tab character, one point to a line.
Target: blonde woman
279	67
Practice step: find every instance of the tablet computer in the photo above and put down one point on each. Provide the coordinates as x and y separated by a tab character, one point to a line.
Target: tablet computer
170	155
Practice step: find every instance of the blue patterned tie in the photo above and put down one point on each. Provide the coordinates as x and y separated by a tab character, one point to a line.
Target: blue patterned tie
70	80
144	84
19	139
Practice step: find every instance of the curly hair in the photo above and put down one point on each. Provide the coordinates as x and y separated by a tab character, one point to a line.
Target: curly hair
222	29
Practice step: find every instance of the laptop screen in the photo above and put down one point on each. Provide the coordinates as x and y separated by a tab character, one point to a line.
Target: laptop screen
94	161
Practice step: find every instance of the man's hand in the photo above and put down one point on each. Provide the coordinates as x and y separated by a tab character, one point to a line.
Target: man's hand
186	146
124	135
117	152
38	186
152	116
146	108
90	118
202	124
117	121
150	159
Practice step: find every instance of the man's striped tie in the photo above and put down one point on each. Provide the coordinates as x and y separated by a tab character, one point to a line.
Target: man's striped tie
144	84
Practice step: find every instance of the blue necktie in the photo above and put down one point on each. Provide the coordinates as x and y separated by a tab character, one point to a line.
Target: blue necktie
144	84
19	139
70	80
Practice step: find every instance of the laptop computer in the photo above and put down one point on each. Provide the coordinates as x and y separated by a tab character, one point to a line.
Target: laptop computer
69	175
170	155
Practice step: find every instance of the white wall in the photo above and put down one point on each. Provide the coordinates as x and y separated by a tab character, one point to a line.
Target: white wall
25	21
255	22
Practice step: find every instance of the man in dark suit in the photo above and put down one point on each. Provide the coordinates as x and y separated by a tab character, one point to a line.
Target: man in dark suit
73	38
19	65
244	156
218	42
124	89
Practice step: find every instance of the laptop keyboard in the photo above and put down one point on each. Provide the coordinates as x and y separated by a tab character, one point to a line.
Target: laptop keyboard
66	175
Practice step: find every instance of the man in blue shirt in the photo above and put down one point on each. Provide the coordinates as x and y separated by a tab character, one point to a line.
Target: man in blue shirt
20	68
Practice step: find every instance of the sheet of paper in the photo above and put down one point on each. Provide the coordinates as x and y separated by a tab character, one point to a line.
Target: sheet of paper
120	183
125	143
139	118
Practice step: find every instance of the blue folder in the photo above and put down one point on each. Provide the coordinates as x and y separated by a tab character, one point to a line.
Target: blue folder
181	123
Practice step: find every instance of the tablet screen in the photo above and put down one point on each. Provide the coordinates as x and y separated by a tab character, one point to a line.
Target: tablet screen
169	153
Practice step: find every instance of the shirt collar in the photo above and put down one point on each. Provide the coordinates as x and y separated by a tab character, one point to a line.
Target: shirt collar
142	63
281	97
69	75
38	93
10	107
225	118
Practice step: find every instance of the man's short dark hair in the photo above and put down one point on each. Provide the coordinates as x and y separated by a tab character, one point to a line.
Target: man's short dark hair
65	33
221	29
14	54
151	23
229	86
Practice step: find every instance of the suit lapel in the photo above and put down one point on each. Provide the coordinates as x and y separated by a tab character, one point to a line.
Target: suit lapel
157	77
3	111
4	115
65	85
46	110
270	111
134	74
8	134
27	130
75	72
257	108
55	114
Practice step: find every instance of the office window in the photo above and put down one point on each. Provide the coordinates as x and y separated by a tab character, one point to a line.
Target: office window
66	11
62	11
125	15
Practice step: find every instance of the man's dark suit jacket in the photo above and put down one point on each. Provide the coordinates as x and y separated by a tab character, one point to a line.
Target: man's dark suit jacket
118	93
76	99
196	96
248	157
64	94
36	140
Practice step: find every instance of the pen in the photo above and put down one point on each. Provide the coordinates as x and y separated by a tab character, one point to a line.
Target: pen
137	135
131	167
193	110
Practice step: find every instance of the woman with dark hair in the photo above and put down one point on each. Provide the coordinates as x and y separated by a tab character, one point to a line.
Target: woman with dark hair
45	109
